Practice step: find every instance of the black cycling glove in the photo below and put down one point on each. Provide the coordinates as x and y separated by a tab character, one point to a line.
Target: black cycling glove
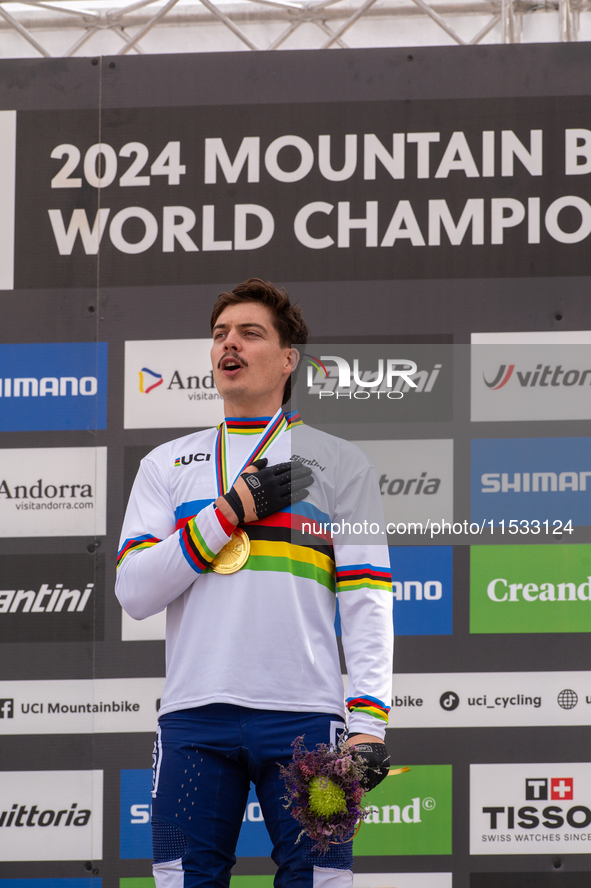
273	488
376	760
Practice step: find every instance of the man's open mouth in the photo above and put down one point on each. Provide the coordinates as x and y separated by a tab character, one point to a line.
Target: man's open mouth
229	364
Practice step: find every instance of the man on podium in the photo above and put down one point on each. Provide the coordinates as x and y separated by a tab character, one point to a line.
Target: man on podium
235	547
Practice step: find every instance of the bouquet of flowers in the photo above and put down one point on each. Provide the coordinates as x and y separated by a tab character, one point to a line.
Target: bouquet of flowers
324	789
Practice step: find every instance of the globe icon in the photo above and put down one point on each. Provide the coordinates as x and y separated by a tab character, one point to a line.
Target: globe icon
567	699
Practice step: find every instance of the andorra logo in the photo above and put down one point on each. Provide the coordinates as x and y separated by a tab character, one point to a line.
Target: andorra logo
146	384
502	377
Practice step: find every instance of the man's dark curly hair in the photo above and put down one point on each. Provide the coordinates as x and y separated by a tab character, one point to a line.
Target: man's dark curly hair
287	318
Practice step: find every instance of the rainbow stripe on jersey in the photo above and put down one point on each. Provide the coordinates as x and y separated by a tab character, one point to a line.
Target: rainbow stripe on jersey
370	705
135	544
194	547
363	576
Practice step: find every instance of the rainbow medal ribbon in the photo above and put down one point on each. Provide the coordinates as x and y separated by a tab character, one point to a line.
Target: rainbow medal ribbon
234	554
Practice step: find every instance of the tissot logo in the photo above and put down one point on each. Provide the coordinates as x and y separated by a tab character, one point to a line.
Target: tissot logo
521	809
51	598
58	385
537	788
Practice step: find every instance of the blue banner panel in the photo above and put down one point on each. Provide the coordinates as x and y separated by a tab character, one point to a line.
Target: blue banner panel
531	479
423	589
136	832
53	386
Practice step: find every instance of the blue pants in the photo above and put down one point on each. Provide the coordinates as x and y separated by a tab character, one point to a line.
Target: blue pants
204	761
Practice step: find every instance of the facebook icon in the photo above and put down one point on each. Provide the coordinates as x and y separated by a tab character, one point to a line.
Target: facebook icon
6	708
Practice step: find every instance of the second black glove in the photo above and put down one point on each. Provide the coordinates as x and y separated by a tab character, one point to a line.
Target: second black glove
377	763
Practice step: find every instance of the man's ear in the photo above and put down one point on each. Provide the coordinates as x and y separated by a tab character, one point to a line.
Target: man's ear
294	358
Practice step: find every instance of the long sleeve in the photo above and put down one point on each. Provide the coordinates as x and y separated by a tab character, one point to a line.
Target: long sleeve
156	562
364	588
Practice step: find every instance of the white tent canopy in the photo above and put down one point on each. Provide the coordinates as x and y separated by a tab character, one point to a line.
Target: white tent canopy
109	27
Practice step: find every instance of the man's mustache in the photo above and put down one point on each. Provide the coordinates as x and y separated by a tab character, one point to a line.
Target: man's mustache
235	357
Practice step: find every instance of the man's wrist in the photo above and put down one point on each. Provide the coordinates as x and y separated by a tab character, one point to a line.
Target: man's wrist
226	509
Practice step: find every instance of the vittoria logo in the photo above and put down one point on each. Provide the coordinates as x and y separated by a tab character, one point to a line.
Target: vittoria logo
20	815
530	376
51	815
543	375
187	459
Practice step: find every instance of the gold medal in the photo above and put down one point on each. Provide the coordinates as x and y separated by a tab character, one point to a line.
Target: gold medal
234	555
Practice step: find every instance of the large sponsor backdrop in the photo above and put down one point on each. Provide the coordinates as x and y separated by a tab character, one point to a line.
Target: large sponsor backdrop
428	206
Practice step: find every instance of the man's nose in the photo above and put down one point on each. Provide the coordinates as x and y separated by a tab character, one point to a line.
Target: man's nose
232	341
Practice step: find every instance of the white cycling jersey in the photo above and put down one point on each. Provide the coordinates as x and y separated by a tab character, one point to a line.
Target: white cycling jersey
264	637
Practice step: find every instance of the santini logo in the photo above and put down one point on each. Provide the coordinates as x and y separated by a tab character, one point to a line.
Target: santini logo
46	600
542	376
29	386
20	815
534	482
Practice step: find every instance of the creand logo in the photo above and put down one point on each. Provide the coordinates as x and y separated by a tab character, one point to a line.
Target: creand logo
543	376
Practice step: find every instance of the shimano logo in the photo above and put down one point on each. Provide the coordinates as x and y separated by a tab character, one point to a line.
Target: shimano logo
533	482
52	386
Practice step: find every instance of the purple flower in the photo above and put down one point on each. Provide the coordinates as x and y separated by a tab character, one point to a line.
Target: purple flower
341	768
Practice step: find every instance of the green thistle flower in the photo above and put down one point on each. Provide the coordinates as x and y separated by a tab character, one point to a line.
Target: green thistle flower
326	798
